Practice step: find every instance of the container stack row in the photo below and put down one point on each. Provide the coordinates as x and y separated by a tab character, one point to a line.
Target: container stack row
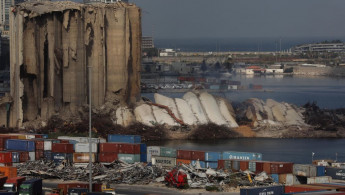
171	157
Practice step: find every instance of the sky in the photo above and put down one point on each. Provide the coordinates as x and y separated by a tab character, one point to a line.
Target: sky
165	19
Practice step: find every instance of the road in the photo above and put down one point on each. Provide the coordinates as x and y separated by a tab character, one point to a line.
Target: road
123	189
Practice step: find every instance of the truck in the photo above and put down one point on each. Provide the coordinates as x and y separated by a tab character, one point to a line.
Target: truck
31	187
12	184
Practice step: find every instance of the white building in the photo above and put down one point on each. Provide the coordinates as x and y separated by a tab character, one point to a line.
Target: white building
274	71
167	53
320	47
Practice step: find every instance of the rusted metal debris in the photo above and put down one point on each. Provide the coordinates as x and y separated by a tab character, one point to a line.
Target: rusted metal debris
120	172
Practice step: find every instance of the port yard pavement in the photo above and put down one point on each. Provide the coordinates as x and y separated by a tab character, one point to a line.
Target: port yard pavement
151	189
161	190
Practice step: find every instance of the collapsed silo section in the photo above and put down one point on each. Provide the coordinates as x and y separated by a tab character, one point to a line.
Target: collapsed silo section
53	44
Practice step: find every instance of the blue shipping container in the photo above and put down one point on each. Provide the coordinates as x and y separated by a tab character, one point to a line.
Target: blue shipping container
241	155
15	157
335	173
320	171
78	191
73	142
202	163
275	177
133	139
212	165
143	149
213	156
276	190
44	136
20	145
143	157
59	157
214	86
48	155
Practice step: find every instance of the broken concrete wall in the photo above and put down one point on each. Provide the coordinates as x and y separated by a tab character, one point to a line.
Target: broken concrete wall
54	43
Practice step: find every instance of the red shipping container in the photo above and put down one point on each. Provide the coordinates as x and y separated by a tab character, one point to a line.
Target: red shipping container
244	165
16	180
62	141
221	164
5	157
23	156
109	147
301	188
107	157
39	154
3	142
62	148
97	187
66	186
184	154
198	155
38	136
39	145
277	167
129	148
259	166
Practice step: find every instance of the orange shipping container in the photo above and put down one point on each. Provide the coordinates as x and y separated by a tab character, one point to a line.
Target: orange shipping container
8	172
183	161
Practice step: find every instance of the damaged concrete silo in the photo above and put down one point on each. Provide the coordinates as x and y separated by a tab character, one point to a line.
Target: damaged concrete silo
53	44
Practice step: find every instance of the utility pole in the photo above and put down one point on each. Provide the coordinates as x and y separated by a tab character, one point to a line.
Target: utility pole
90	133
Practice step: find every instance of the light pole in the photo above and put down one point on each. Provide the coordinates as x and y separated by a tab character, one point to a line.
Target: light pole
90	144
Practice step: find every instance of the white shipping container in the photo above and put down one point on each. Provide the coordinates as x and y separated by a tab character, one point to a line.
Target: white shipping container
83	139
30	136
48	145
32	156
152	151
85	147
288	179
80	165
322	179
16	164
164	161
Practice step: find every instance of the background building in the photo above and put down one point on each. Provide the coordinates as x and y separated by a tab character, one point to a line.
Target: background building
320	47
147	43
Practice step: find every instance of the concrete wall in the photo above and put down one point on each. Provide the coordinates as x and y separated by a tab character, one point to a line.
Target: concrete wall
319	71
54	43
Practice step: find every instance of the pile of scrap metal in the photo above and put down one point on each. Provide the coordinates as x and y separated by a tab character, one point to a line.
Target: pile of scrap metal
119	172
116	172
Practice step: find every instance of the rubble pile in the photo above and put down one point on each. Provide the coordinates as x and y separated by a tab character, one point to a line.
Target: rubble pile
270	113
116	172
324	119
120	172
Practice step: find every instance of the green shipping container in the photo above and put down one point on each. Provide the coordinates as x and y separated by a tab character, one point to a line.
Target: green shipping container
168	152
129	158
